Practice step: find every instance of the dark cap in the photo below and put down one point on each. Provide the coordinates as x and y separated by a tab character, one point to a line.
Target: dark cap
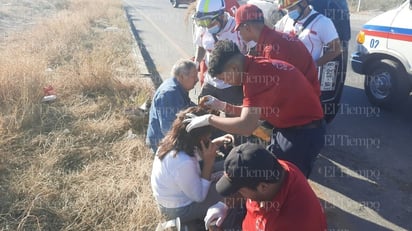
248	13
247	165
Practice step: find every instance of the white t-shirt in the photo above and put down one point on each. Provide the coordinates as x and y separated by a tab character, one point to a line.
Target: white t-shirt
315	36
176	181
204	39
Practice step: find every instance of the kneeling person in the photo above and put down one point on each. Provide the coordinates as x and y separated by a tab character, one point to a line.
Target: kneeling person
278	196
180	186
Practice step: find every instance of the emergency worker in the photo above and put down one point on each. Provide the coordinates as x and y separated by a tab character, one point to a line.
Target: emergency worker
274	91
277	195
338	12
320	37
273	44
214	24
320	33
230	7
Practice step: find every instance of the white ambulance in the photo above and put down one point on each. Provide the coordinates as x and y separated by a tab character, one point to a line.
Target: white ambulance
384	56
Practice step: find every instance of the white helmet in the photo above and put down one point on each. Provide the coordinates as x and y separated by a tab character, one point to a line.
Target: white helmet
209	9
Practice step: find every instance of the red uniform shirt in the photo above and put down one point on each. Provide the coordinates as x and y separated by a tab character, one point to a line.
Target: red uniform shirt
276	45
231	6
280	90
294	208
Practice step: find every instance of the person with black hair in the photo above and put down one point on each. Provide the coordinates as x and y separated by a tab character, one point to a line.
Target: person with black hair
274	91
277	195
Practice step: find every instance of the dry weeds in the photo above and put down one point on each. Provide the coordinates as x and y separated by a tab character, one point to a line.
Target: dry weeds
74	163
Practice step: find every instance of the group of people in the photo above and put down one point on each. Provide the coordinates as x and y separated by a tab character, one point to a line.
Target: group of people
251	73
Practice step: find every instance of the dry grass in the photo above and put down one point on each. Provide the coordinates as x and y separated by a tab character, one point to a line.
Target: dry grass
69	164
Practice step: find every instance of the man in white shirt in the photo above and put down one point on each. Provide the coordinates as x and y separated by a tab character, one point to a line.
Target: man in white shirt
319	35
214	24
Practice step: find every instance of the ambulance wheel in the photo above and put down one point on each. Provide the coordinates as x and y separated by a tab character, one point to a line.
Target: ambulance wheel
386	84
175	3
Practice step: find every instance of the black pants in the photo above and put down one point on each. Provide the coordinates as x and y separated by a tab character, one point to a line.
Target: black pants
300	146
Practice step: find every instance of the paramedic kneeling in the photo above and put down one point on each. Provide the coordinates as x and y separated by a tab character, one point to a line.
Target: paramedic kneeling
278	197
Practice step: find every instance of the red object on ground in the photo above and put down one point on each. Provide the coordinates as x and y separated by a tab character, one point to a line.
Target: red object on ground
48	90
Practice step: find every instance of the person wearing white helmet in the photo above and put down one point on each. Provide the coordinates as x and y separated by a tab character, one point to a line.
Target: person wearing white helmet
213	23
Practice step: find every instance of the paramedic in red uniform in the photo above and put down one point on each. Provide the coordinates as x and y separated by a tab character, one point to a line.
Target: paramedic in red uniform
273	44
274	91
278	197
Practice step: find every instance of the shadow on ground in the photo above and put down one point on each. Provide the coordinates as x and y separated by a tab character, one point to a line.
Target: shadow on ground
362	175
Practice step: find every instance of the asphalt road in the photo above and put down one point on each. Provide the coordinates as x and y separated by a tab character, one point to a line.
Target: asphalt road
363	175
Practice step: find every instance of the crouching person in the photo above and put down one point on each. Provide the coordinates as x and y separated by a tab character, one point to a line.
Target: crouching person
180	186
277	194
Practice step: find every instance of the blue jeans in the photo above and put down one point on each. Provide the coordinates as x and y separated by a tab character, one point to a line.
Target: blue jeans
193	211
300	146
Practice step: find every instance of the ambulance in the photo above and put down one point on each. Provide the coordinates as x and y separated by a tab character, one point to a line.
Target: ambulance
384	56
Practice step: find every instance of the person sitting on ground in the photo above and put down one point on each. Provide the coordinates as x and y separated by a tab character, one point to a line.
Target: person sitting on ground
170	97
180	186
278	196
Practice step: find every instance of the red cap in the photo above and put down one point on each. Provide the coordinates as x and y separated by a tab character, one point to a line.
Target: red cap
248	13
